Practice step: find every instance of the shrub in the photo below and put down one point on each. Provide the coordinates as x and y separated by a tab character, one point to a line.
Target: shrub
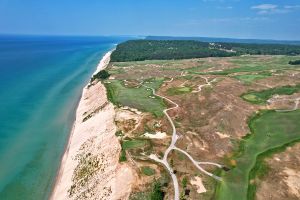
294	62
103	74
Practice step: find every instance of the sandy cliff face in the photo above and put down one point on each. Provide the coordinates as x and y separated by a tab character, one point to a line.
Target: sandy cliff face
90	167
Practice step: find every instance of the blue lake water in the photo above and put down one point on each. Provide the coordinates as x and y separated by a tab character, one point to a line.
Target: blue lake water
41	80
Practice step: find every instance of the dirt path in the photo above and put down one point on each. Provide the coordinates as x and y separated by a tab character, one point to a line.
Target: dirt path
295	106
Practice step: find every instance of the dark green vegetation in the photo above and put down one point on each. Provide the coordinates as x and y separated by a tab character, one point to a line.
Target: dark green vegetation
148	171
155	193
260	97
103	74
184	182
294	62
139	50
262	49
119	134
270	131
123	157
136	97
227	40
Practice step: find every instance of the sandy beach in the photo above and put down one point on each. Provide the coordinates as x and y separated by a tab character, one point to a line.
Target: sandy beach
90	167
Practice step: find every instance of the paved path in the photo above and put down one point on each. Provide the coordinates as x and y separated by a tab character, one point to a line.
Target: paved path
164	160
208	83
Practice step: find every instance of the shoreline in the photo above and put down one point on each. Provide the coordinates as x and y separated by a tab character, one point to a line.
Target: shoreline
69	165
101	64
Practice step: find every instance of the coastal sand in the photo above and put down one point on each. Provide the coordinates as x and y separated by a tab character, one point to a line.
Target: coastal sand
90	167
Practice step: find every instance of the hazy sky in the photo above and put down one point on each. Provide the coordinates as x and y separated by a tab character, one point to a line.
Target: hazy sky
270	19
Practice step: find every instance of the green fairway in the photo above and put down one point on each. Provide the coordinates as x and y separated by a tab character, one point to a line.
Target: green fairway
252	77
178	90
270	130
133	144
136	97
261	97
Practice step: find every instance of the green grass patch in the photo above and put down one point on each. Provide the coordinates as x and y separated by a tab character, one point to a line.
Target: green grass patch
123	157
138	98
252	77
270	132
131	144
148	171
178	90
134	144
260	97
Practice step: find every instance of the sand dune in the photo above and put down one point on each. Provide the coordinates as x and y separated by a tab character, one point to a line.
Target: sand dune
90	167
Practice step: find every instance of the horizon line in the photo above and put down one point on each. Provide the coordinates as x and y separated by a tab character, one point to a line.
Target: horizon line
143	36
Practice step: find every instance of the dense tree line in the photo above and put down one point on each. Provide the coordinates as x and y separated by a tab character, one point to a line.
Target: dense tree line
138	50
262	49
294	62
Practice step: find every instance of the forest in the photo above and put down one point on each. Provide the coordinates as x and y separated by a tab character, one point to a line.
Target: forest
139	50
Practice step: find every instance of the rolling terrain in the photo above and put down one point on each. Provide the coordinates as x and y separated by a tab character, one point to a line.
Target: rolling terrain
206	128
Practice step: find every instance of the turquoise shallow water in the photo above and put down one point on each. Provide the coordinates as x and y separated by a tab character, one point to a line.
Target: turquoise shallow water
41	79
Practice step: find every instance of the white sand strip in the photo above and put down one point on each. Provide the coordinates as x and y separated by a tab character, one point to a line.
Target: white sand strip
103	62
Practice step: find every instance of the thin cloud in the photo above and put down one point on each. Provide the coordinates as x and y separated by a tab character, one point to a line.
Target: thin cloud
264	9
292	7
223	20
225	7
